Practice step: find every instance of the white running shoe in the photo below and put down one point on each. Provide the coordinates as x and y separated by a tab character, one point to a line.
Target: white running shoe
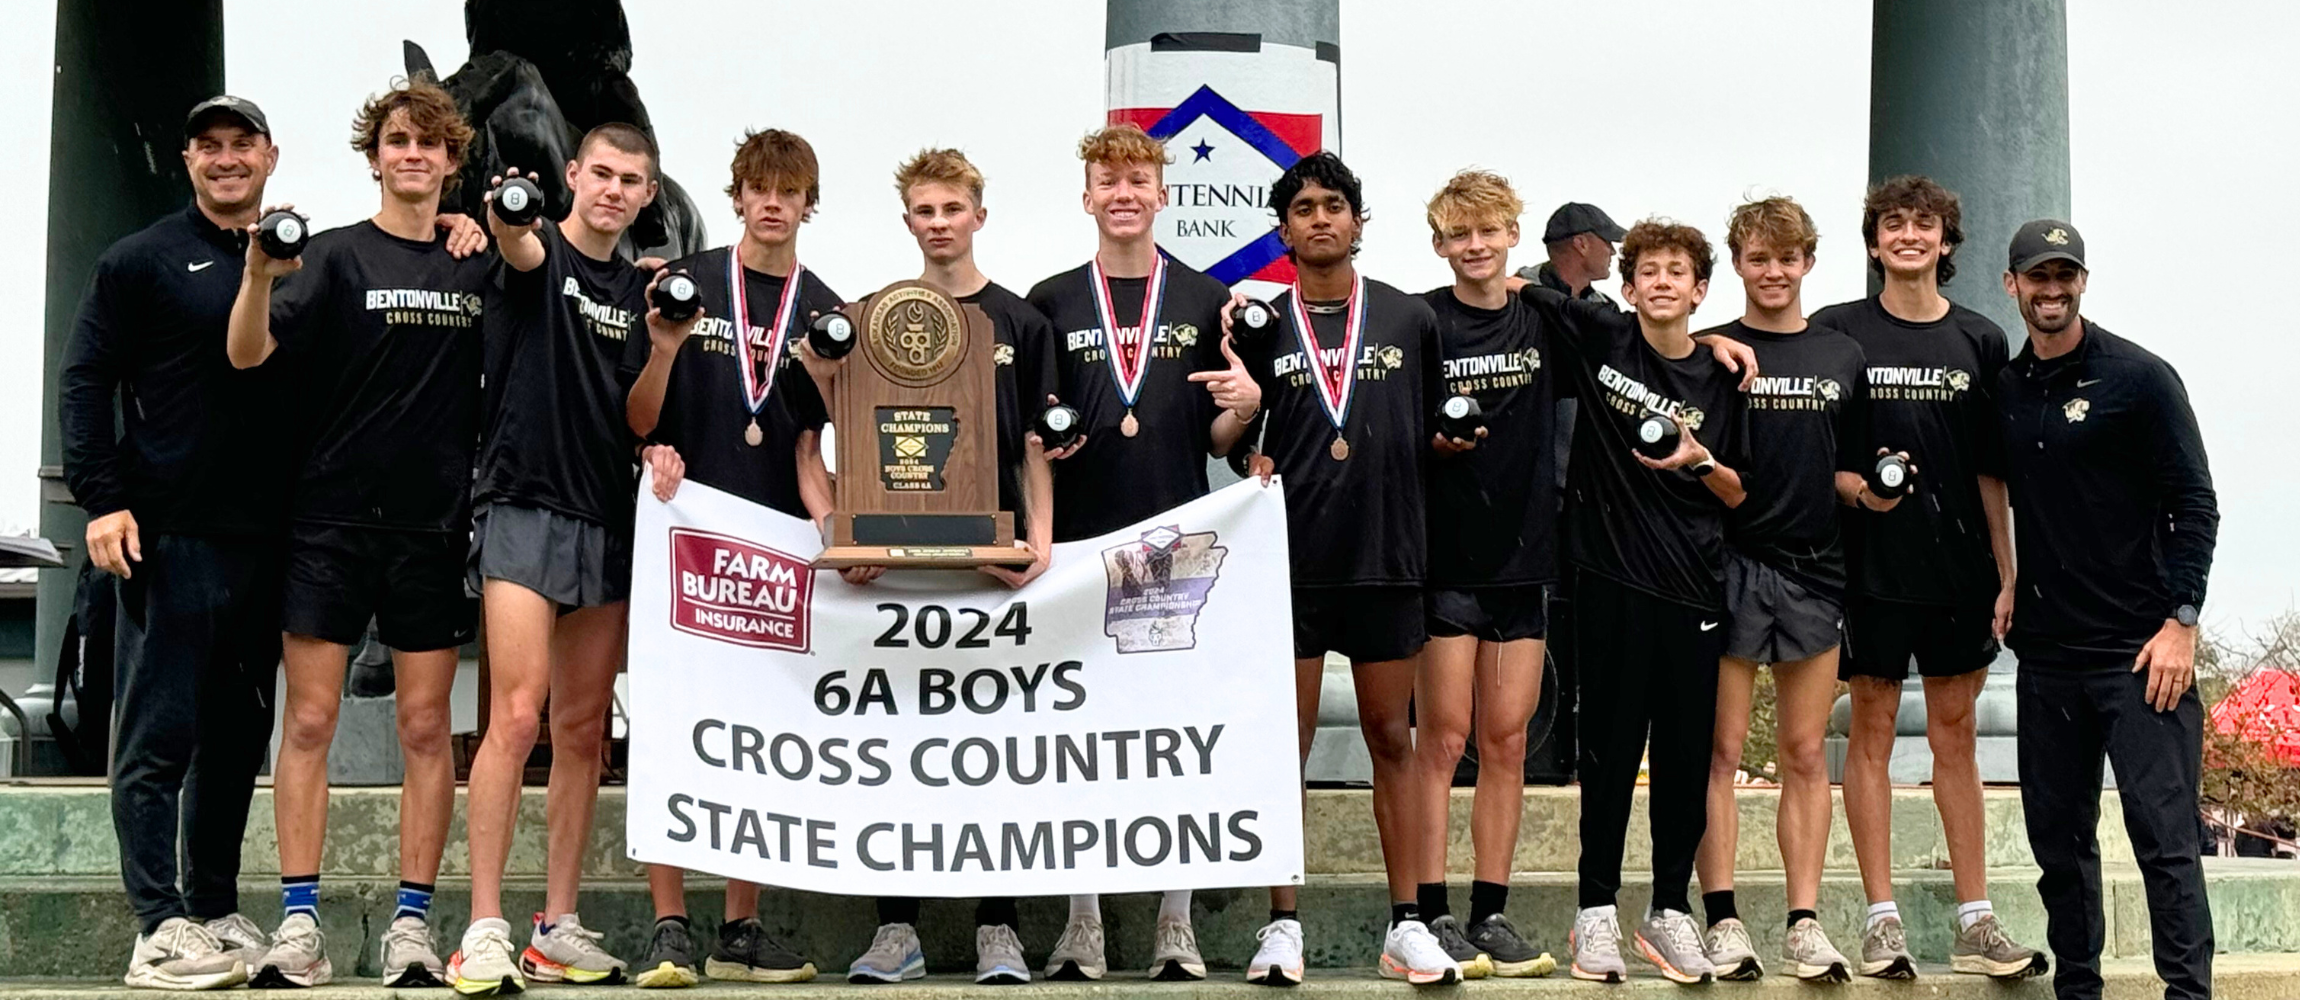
1812	957
1278	962
998	957
409	958
1727	943
486	966
1670	941
1174	953
893	956
240	936
565	951
297	956
1078	954
1410	952
182	955
1595	942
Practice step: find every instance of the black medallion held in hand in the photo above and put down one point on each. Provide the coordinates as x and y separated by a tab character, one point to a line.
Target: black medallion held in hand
1460	417
1058	427
831	335
1891	479
677	297
282	235
518	202
1657	436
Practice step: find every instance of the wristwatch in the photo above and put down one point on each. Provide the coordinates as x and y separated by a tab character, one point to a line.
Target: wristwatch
1703	470
2185	615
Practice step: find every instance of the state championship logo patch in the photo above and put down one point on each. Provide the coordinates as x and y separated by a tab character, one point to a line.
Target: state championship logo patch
1157	585
736	591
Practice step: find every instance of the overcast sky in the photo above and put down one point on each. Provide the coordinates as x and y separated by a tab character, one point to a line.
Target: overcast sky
2181	136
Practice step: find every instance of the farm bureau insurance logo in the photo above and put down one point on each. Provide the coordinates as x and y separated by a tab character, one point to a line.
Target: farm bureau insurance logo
735	591
1158	584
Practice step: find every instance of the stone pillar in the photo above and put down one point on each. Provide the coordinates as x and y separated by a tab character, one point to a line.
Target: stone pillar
1973	93
123	82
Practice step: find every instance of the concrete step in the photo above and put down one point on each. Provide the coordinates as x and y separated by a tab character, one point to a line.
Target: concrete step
49	925
67	830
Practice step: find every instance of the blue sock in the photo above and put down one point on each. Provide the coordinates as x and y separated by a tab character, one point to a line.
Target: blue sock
299	894
414	901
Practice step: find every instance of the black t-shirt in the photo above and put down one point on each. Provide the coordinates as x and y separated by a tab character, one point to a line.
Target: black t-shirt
1024	369
1359	520
555	434
1809	408
704	413
1931	394
1493	509
385	335
1661	532
1115	480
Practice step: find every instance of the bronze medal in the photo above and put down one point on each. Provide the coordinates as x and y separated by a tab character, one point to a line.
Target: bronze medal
752	435
1130	426
1340	449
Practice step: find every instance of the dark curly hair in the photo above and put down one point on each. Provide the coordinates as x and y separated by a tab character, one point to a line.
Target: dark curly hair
1658	233
1326	170
1915	193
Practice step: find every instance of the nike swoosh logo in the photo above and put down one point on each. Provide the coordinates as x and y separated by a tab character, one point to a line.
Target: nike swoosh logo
2081	383
1706	626
200	266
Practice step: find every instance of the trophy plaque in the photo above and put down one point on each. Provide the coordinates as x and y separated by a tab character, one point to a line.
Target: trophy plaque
918	439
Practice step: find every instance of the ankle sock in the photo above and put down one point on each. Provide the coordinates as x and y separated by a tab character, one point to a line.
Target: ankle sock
1402	912
1174	904
1088	905
1293	915
1429	897
1718	907
414	901
1879	911
1796	915
996	911
1967	913
299	894
1487	899
676	918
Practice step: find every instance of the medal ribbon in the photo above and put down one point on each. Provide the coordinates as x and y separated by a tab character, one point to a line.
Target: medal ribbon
1128	370
756	388
1335	385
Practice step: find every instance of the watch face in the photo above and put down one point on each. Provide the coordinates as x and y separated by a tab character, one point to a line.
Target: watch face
2186	615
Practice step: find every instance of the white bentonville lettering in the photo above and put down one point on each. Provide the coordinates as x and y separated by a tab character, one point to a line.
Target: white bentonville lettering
605	320
424	307
1911	384
1630	396
1506	370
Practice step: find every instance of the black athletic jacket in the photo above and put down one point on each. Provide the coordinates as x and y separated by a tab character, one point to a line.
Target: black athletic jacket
2116	516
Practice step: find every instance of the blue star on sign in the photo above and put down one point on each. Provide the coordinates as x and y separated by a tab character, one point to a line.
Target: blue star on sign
1203	150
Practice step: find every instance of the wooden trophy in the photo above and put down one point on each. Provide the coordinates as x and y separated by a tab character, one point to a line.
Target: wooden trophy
918	439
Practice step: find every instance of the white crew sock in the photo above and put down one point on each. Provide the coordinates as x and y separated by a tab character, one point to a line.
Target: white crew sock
1967	913
1174	904
1088	905
1879	911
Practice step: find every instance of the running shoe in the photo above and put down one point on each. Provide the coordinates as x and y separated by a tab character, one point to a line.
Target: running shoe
1078	953
670	959
1474	963
1811	956
1278	961
182	955
1984	949
297	956
747	953
1669	940
1885	951
1410	952
240	936
1596	945
1727	943
1174	953
486	965
1507	952
893	956
409	958
998	957
564	951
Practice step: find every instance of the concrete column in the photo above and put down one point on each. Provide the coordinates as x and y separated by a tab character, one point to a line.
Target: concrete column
124	79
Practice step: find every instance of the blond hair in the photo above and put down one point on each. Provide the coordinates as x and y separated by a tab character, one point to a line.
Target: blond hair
1472	197
939	166
1778	222
1121	145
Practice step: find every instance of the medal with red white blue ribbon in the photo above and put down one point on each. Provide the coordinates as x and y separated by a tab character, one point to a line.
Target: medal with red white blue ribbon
1129	357
757	387
1336	383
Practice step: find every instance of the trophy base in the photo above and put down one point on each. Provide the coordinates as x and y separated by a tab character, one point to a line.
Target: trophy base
923	556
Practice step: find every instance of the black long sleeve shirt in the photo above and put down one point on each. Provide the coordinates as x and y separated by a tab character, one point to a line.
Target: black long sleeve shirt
201	446
2115	517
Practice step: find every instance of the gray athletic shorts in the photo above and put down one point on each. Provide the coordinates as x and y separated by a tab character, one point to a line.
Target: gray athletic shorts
573	562
1774	619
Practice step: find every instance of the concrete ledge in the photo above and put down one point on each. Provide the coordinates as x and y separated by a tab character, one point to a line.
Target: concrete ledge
2235	977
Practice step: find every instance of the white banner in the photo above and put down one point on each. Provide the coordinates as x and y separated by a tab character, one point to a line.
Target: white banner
1125	723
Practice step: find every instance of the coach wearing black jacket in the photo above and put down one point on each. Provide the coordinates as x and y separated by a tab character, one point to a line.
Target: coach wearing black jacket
2115	521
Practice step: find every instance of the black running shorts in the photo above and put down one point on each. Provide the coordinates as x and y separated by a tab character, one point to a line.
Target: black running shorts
1881	637
1771	618
1365	624
409	582
1493	614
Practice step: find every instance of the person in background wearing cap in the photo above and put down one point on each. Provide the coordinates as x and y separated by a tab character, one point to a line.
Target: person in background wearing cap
2117	522
186	506
1580	238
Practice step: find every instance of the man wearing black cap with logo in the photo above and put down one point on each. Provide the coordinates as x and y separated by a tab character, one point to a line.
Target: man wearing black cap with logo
1580	238
185	505
2117	520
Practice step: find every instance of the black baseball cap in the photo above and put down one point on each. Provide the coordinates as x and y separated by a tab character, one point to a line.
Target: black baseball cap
1574	218
225	104
2042	240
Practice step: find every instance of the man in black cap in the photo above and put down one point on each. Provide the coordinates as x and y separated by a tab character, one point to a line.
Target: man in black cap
185	506
1580	238
2108	476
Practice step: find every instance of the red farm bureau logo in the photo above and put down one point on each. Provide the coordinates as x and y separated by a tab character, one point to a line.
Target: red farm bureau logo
735	591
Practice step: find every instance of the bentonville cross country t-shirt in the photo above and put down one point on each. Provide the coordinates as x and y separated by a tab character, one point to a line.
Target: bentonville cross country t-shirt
1493	509
1809	407
1023	365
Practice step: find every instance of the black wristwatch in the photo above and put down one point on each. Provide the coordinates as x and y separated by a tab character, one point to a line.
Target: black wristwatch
2185	615
1703	470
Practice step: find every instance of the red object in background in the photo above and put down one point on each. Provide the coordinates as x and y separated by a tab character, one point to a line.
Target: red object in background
2265	709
